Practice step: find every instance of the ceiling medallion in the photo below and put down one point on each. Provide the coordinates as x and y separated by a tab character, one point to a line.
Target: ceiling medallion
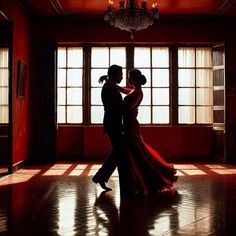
131	17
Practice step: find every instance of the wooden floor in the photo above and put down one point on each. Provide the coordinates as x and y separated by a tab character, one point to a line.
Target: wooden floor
61	199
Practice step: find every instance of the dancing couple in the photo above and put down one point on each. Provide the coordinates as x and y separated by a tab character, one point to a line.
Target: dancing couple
141	169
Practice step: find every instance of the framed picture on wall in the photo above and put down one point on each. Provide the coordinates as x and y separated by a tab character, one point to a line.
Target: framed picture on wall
21	77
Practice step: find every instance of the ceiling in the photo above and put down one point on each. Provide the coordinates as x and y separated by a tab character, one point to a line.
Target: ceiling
97	7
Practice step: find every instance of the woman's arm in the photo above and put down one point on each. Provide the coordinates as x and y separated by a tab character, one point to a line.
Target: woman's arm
125	90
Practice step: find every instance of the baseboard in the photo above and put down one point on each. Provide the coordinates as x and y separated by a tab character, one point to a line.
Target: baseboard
15	167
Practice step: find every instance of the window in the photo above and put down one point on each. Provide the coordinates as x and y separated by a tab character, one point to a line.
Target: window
195	85
69	85
4	87
101	59
179	82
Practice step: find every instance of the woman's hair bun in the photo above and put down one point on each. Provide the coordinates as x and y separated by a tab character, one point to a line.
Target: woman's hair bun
138	76
142	79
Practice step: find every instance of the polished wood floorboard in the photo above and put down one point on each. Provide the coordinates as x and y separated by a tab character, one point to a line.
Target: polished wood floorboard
61	199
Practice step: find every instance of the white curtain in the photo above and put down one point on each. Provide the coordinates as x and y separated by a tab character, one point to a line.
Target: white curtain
195	85
4	117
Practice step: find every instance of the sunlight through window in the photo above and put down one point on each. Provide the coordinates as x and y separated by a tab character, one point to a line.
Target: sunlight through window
224	171
194	172
57	169
76	172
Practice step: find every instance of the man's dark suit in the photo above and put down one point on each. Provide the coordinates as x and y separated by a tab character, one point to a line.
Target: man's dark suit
112	125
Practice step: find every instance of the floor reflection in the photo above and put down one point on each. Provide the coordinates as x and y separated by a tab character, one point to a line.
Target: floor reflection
35	203
137	215
66	210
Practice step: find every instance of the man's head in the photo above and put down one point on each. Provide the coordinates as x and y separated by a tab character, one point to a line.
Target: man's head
115	73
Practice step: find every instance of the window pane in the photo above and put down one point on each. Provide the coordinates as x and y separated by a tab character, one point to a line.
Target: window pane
74	114
146	96
61	114
161	115
97	113
3	96
118	56
96	96
74	96
186	78
100	57
186	57
203	57
186	96
204	78
4	57
61	96
204	115
75	57
3	77
3	114
61	78
204	96
142	57
186	115
74	77
123	82
95	75
160	77
160	96
61	57
144	115
160	57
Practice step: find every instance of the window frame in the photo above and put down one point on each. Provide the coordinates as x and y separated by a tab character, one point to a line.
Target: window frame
6	106
66	67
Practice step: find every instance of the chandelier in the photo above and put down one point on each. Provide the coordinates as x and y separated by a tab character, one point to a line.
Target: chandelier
131	17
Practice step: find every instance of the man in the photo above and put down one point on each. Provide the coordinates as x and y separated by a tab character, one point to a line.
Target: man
112	126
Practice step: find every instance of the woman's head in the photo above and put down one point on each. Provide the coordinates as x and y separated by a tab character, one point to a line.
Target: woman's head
115	73
136	77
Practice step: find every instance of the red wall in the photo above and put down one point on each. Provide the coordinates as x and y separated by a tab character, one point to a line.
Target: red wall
174	143
231	100
20	107
95	30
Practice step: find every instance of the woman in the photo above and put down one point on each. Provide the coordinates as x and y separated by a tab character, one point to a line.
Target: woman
150	172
